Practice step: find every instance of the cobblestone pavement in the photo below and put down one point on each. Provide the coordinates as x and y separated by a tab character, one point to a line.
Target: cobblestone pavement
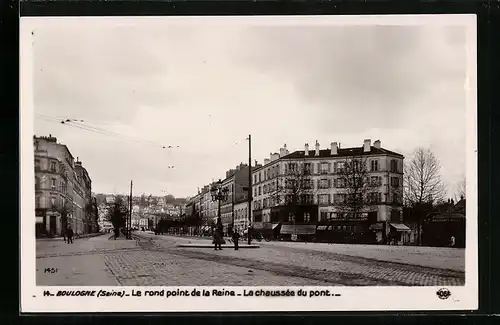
331	267
434	257
156	260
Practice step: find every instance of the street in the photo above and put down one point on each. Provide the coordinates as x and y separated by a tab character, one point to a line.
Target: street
152	260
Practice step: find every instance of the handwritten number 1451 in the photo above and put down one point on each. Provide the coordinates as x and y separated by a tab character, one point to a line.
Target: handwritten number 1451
50	270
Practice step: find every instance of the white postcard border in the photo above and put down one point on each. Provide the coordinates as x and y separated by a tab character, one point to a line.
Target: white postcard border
351	299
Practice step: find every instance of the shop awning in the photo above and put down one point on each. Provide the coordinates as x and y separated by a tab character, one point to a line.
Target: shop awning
276	225
298	229
376	226
262	226
400	227
39	219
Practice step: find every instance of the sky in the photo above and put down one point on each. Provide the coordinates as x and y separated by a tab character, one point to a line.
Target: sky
202	88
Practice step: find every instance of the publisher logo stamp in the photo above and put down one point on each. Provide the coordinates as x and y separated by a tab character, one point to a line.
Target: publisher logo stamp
443	293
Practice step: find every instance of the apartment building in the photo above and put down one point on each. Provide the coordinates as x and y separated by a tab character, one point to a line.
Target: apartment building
319	201
235	182
62	189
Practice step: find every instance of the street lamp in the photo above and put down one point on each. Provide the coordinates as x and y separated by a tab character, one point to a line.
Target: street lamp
219	194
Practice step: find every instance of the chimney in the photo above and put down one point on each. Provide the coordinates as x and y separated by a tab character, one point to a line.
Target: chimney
367	145
377	144
274	156
317	148
267	161
283	151
334	148
306	149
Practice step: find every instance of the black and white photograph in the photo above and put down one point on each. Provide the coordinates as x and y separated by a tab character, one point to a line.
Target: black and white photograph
336	153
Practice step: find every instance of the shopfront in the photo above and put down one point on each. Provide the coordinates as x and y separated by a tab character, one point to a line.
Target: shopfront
298	232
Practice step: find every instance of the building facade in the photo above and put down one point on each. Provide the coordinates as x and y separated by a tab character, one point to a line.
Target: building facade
241	221
63	194
321	200
235	182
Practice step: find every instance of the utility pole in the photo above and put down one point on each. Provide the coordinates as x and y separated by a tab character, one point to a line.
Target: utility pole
130	214
249	235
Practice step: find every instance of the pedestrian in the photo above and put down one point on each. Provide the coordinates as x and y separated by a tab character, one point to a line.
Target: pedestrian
69	234
64	234
236	237
452	241
218	237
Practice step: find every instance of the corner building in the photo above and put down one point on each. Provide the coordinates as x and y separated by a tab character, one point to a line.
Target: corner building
318	216
60	183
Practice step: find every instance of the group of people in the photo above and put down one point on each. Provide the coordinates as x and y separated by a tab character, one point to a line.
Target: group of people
218	237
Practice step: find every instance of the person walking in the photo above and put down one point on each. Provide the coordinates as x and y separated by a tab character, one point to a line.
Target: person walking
452	241
69	234
218	237
236	237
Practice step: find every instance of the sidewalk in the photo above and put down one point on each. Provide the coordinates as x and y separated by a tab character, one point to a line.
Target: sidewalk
80	237
80	263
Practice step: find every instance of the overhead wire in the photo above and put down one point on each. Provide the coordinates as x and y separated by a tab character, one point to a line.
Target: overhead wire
78	124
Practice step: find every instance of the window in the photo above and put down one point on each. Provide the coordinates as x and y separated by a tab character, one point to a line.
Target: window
37	164
53	166
38	202
307	168
323	215
291	217
376	180
255	178
374	165
340	167
394	166
260	192
324	198
340	182
53	201
37	182
307	198
260	176
324	183
355	165
395	181
325	168
255	191
307	217
375	197
53	183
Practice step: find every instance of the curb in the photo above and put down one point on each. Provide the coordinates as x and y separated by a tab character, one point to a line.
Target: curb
212	246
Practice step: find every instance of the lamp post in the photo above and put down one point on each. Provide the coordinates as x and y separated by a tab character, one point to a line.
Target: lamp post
219	194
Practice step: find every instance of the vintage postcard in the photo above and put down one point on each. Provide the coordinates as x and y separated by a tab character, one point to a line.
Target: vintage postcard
313	163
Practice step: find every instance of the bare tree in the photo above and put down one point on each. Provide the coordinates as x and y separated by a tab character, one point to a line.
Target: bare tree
460	190
294	188
422	179
64	208
422	184
360	193
117	214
